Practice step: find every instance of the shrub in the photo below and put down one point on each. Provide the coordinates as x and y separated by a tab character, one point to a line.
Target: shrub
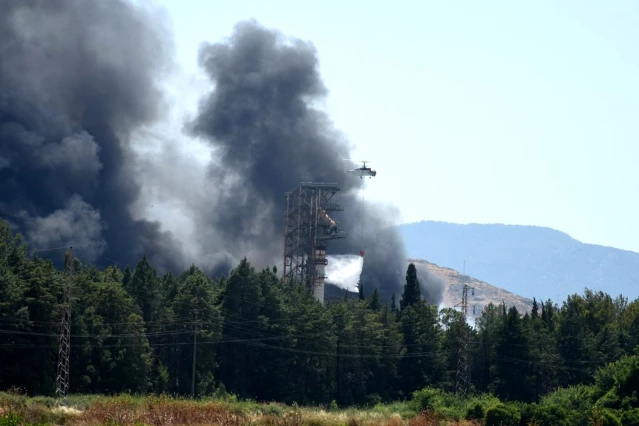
502	415
10	419
475	412
630	417
425	399
550	415
604	417
373	399
526	412
575	401
437	401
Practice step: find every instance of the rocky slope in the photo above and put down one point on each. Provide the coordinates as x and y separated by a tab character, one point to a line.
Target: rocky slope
484	293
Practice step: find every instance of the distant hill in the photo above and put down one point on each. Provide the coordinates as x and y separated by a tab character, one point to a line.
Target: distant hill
484	293
527	260
454	281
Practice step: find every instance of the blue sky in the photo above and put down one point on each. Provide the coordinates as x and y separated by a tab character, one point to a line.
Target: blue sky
485	112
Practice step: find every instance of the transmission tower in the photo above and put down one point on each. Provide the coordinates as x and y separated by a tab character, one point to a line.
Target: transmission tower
64	351
308	228
462	383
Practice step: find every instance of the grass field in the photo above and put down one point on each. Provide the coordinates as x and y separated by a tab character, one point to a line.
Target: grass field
16	409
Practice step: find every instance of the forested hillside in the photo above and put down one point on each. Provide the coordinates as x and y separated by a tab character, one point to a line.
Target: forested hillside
262	338
530	261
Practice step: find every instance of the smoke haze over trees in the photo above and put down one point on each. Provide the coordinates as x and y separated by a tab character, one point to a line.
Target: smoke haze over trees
74	103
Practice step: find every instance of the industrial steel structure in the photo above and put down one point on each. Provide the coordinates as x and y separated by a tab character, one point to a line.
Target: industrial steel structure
308	228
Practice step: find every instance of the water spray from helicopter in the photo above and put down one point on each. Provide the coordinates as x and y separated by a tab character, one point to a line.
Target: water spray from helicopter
345	270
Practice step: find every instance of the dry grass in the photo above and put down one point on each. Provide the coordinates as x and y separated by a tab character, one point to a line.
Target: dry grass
163	410
158	411
429	418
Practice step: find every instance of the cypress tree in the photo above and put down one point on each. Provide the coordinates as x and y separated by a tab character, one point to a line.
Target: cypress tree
411	294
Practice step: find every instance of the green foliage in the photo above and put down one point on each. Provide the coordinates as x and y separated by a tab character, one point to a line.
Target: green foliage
427	399
476	412
451	406
605	417
617	384
629	417
11	419
133	330
502	414
411	294
551	415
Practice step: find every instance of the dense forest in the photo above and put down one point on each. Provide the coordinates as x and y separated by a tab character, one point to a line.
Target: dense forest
261	338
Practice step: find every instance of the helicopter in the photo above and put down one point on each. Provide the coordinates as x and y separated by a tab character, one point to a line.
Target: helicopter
363	171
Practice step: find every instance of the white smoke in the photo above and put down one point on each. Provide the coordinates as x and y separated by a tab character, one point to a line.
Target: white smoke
344	270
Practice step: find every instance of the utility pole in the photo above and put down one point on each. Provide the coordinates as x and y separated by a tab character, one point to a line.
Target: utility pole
462	382
194	352
64	348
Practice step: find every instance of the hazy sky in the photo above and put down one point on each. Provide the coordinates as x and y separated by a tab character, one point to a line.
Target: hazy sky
486	112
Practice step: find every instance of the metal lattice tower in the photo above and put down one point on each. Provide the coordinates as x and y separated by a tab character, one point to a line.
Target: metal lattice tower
308	228
462	382
64	351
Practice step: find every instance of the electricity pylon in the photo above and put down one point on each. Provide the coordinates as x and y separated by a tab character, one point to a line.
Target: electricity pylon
64	349
462	382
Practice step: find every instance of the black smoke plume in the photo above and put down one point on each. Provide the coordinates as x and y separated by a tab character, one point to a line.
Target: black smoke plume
77	78
80	78
268	137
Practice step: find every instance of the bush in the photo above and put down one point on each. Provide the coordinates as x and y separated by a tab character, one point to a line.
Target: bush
576	402
630	417
475	412
373	400
604	417
502	415
551	415
616	383
579	397
425	399
437	401
526	411
10	419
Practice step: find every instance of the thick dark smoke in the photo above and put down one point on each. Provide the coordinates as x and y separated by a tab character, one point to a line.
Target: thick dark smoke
80	81
268	138
77	78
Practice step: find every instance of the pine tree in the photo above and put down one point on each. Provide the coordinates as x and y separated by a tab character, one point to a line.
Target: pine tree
375	302
241	301
144	286
513	360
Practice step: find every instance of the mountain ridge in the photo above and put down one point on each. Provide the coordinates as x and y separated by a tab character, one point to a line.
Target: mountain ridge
528	260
